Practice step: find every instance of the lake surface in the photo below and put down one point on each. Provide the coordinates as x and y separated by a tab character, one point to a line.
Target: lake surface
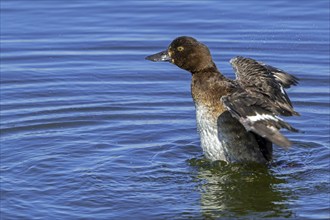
91	130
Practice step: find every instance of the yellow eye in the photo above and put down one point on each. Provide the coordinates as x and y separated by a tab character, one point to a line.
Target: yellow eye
180	48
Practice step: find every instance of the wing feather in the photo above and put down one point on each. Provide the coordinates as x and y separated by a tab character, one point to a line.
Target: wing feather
267	82
257	119
261	99
285	79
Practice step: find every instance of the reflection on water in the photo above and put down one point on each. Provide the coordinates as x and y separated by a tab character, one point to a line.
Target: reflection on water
240	190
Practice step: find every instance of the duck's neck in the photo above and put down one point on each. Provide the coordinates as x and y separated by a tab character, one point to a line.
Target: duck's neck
208	70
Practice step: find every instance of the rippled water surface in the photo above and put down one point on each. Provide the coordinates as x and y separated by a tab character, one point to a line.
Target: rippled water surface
90	130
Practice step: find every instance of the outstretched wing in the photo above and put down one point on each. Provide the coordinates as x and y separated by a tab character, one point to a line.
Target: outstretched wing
283	78
265	82
261	99
253	114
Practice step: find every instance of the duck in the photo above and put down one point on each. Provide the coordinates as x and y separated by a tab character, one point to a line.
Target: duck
238	120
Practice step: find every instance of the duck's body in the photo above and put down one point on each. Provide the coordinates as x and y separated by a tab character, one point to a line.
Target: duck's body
237	119
222	136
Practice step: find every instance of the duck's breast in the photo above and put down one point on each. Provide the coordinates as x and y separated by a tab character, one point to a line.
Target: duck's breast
224	138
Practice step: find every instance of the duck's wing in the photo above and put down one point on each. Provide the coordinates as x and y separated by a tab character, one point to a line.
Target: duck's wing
254	114
265	81
260	99
283	78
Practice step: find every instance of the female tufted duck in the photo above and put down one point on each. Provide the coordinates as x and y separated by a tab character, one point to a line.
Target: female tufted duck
238	120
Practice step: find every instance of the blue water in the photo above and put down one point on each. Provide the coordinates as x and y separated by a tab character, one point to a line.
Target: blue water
91	130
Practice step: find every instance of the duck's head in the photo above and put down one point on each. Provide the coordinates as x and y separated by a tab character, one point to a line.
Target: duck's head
187	53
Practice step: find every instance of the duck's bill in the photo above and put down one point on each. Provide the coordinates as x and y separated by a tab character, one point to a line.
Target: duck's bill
159	57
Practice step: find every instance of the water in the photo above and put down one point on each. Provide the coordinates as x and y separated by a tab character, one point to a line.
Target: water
90	130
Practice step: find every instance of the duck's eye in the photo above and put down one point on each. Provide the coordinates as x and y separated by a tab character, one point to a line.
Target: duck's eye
181	48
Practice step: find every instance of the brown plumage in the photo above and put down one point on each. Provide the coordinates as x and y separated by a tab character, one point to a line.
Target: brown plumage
237	119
